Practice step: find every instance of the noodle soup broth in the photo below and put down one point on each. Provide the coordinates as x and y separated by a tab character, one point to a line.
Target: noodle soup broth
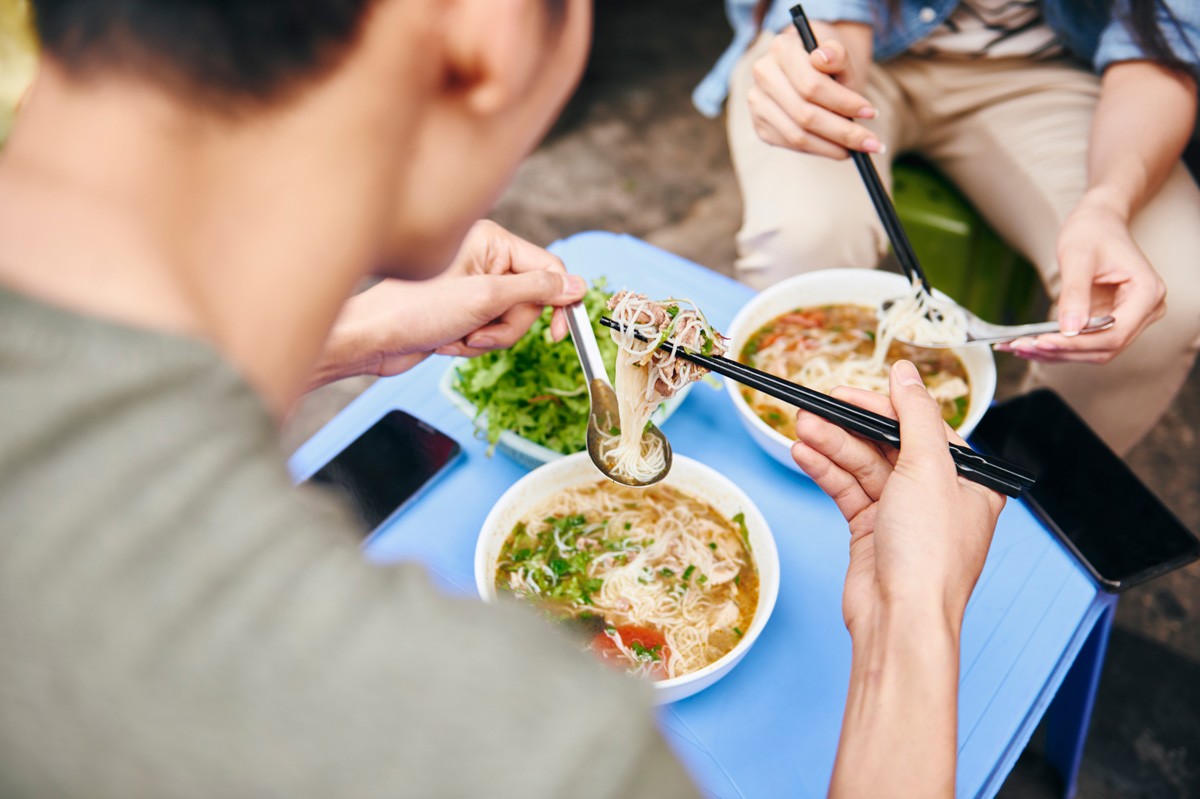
656	581
823	347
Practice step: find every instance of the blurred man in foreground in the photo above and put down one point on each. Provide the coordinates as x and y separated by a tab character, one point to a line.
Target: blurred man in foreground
190	195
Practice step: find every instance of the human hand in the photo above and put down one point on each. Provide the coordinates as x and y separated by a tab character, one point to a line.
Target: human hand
496	287
806	101
1103	273
919	534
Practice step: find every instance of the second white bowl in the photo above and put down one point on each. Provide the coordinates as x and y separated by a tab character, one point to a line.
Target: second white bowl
833	287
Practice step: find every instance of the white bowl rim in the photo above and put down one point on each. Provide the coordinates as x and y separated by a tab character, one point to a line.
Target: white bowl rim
764	549
740	320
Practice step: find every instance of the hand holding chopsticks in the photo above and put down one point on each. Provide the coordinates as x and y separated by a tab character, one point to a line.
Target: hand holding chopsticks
901	246
986	470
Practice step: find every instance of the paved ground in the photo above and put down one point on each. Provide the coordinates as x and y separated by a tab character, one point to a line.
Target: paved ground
631	155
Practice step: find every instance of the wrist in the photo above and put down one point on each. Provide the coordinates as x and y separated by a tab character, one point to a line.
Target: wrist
349	352
899	620
1107	199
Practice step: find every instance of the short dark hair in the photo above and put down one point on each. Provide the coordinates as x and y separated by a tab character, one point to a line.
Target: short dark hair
216	51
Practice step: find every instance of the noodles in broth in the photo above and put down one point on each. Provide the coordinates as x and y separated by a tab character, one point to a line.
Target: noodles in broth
663	582
849	345
647	375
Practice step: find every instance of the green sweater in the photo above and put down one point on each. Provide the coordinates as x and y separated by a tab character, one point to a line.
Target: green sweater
177	620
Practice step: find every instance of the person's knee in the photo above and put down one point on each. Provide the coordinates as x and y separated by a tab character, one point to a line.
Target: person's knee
1179	328
803	241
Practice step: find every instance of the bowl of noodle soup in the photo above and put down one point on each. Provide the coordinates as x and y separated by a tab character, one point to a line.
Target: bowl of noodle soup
674	582
808	324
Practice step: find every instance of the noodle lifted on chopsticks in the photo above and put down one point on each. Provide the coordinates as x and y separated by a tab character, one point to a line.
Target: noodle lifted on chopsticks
647	375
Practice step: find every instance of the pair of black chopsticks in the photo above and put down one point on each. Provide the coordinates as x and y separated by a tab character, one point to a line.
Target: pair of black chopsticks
870	177
988	471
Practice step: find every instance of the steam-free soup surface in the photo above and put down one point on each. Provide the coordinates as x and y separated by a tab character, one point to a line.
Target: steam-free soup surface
834	345
662	582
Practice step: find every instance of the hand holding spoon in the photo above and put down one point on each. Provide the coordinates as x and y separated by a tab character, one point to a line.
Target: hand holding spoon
977	331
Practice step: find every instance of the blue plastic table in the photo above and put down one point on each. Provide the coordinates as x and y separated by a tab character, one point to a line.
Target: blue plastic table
1035	630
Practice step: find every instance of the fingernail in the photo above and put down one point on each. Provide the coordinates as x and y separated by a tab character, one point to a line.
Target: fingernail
481	342
873	145
574	285
907	374
867	112
824	54
1072	323
1002	347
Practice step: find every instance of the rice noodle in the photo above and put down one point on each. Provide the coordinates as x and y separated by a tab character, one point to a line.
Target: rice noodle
921	319
647	375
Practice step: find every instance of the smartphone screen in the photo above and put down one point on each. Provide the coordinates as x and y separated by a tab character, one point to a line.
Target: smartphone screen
1086	494
386	467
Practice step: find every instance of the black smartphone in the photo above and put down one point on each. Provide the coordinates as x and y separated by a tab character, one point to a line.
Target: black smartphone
1086	495
388	466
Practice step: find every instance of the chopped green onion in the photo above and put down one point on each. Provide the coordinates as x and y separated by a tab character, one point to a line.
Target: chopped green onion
740	520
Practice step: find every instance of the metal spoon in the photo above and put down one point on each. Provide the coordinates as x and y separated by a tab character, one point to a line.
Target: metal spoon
981	332
603	415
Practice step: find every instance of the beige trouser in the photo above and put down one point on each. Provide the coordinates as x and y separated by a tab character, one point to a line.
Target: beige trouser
1012	135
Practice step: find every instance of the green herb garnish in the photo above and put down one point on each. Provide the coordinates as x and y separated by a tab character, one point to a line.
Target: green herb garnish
644	654
504	384
740	521
960	412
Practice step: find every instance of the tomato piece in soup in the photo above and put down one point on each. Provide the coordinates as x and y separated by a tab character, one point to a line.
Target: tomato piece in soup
647	644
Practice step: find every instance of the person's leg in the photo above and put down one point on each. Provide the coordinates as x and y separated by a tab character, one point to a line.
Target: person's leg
802	212
1020	155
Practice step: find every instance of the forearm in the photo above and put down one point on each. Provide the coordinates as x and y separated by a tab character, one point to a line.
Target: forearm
345	355
359	343
899	733
1142	123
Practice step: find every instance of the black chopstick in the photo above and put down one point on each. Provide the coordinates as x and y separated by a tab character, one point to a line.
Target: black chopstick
988	471
879	196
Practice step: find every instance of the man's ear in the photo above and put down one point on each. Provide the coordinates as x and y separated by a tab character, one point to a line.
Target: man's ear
494	48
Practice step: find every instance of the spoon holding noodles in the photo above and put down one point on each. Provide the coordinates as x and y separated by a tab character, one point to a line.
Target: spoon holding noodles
925	320
626	446
604	417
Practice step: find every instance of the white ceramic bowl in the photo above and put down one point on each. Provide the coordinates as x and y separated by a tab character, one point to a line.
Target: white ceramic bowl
831	287
525	452
686	475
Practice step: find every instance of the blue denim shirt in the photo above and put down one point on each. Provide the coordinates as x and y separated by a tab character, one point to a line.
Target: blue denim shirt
1096	40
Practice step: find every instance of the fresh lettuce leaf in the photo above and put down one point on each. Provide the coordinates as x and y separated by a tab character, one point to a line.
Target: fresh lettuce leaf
536	387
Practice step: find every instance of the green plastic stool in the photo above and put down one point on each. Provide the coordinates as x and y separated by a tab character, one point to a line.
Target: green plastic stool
960	253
